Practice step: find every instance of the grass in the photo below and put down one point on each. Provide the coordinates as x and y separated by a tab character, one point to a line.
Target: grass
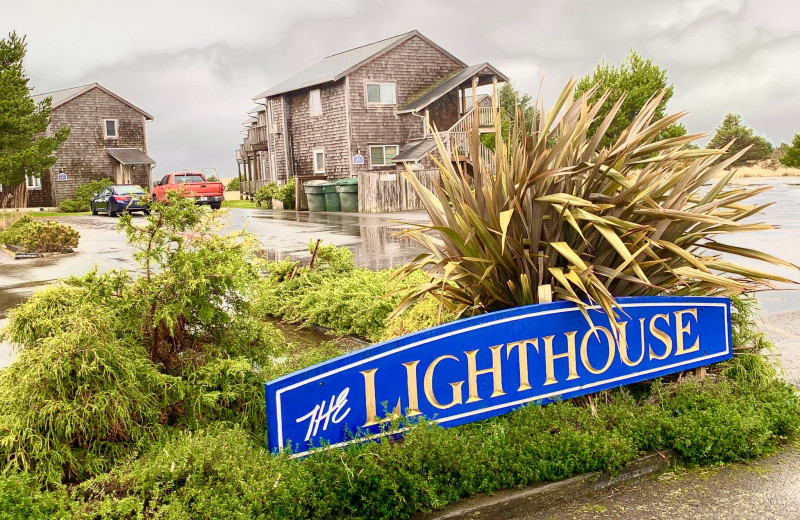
768	168
44	214
246	204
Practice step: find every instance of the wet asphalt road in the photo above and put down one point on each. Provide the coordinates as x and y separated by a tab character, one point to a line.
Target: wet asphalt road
281	233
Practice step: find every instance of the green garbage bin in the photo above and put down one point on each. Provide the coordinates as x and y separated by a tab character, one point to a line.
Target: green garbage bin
315	195
348	194
332	202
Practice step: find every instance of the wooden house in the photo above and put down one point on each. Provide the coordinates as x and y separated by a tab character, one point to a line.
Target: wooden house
365	113
108	139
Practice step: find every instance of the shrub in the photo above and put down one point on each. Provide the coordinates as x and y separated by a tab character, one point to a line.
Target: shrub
333	294
593	222
36	236
286	193
79	395
265	194
12	232
791	159
734	137
21	498
233	185
83	196
48	236
224	472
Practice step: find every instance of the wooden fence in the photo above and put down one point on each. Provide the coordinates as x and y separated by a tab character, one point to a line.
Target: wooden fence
389	192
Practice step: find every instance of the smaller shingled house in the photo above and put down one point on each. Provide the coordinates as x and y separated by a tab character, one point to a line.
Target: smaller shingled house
108	139
365	111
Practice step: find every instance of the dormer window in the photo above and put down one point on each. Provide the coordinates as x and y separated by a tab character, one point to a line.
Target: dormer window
111	128
381	93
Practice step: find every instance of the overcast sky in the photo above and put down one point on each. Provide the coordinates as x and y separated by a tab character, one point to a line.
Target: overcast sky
195	65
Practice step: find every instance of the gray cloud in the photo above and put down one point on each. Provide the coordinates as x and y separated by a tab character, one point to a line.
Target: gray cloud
195	65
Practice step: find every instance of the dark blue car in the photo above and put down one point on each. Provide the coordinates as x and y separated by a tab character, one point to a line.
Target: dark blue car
120	197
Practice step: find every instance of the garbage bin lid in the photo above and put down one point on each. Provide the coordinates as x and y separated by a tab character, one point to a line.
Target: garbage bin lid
327	183
345	182
315	183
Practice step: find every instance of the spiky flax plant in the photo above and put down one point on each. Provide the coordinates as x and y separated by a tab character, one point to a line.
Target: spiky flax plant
640	217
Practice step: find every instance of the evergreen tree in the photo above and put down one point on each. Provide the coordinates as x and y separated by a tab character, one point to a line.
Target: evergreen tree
732	129
791	159
638	79
23	151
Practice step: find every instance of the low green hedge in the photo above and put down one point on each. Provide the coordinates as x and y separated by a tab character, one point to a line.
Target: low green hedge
224	472
335	294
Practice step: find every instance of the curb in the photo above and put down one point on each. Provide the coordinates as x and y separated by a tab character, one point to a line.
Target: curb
533	499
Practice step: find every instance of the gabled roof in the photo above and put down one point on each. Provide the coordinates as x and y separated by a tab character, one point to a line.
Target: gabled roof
440	89
336	66
68	94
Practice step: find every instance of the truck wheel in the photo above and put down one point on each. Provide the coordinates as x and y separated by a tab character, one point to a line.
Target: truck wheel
216	206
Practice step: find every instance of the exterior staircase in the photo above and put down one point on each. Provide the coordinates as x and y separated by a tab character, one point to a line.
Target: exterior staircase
457	141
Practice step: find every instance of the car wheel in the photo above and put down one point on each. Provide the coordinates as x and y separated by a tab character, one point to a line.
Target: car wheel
94	211
146	213
110	212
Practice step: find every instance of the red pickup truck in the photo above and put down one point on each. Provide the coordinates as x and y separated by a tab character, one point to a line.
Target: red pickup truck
190	184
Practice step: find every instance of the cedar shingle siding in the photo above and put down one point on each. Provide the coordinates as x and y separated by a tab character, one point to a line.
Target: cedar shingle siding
327	131
427	82
414	65
83	155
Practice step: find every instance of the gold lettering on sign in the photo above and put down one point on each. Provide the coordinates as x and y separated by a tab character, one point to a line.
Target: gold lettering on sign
661	335
681	329
549	357
428	383
522	355
496	371
370	403
411	381
623	343
585	354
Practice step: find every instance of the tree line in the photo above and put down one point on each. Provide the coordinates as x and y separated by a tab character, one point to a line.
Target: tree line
636	79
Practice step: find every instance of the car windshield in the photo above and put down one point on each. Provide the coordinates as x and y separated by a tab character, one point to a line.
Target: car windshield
128	190
188	177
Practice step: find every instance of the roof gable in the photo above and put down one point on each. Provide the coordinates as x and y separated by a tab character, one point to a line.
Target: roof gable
337	66
440	89
60	97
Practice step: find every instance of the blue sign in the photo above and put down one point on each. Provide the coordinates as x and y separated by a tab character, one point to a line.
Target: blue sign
491	364
358	159
62	176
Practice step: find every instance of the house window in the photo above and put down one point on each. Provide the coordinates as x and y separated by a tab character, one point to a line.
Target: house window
110	128
33	182
319	160
381	94
315	101
382	155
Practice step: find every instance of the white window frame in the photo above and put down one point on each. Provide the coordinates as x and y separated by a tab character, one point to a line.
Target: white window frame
380	84
384	146
105	129
32	182
311	110
314	153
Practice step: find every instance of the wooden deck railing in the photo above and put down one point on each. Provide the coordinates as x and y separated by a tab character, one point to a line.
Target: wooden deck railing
456	139
257	134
